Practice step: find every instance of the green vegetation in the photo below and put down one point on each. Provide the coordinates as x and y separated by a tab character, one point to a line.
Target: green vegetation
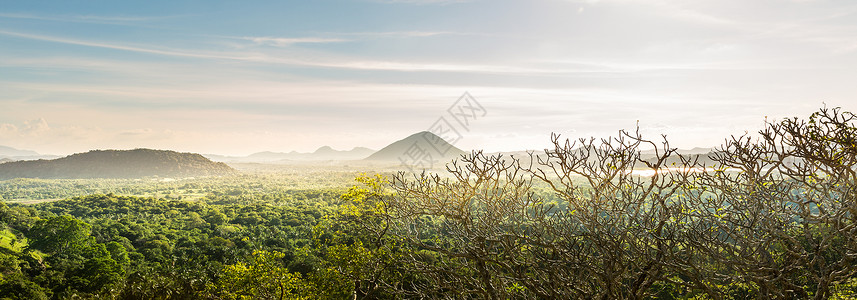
258	186
143	248
774	218
9	241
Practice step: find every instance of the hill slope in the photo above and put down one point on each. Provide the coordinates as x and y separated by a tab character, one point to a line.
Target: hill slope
117	164
412	148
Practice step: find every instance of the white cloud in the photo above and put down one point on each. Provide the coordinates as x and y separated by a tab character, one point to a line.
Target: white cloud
39	136
35	127
30	128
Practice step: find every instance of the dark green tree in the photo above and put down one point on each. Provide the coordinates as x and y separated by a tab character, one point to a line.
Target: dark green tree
59	235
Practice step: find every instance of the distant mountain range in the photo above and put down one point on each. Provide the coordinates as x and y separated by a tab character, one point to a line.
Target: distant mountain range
323	153
9	151
417	149
117	164
12	154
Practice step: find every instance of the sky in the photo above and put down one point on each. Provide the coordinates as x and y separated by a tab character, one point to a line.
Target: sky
238	77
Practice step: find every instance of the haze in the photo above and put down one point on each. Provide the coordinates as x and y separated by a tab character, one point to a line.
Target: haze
235	78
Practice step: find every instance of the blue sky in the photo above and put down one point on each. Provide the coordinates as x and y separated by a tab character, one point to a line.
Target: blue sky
233	77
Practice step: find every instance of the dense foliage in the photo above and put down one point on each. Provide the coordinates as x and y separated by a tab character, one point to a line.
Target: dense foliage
143	248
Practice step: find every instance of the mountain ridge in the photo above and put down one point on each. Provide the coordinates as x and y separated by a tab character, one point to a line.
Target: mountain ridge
320	154
6	151
135	163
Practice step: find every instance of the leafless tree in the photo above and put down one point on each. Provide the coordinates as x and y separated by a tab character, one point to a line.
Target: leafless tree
771	216
784	219
471	224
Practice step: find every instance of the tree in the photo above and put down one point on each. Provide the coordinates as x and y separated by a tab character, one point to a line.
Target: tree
468	230
786	219
357	258
263	277
59	234
76	262
17	286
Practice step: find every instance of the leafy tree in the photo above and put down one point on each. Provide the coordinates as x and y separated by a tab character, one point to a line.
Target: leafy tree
98	270
9	263
357	258
264	277
59	235
18	287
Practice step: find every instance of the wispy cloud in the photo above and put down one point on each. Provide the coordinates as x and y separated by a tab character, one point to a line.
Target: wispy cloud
291	41
317	61
106	45
320	60
95	19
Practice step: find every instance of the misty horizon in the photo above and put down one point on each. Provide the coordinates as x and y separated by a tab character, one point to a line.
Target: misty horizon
294	152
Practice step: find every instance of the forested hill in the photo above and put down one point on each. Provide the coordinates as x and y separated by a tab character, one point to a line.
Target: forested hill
117	164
